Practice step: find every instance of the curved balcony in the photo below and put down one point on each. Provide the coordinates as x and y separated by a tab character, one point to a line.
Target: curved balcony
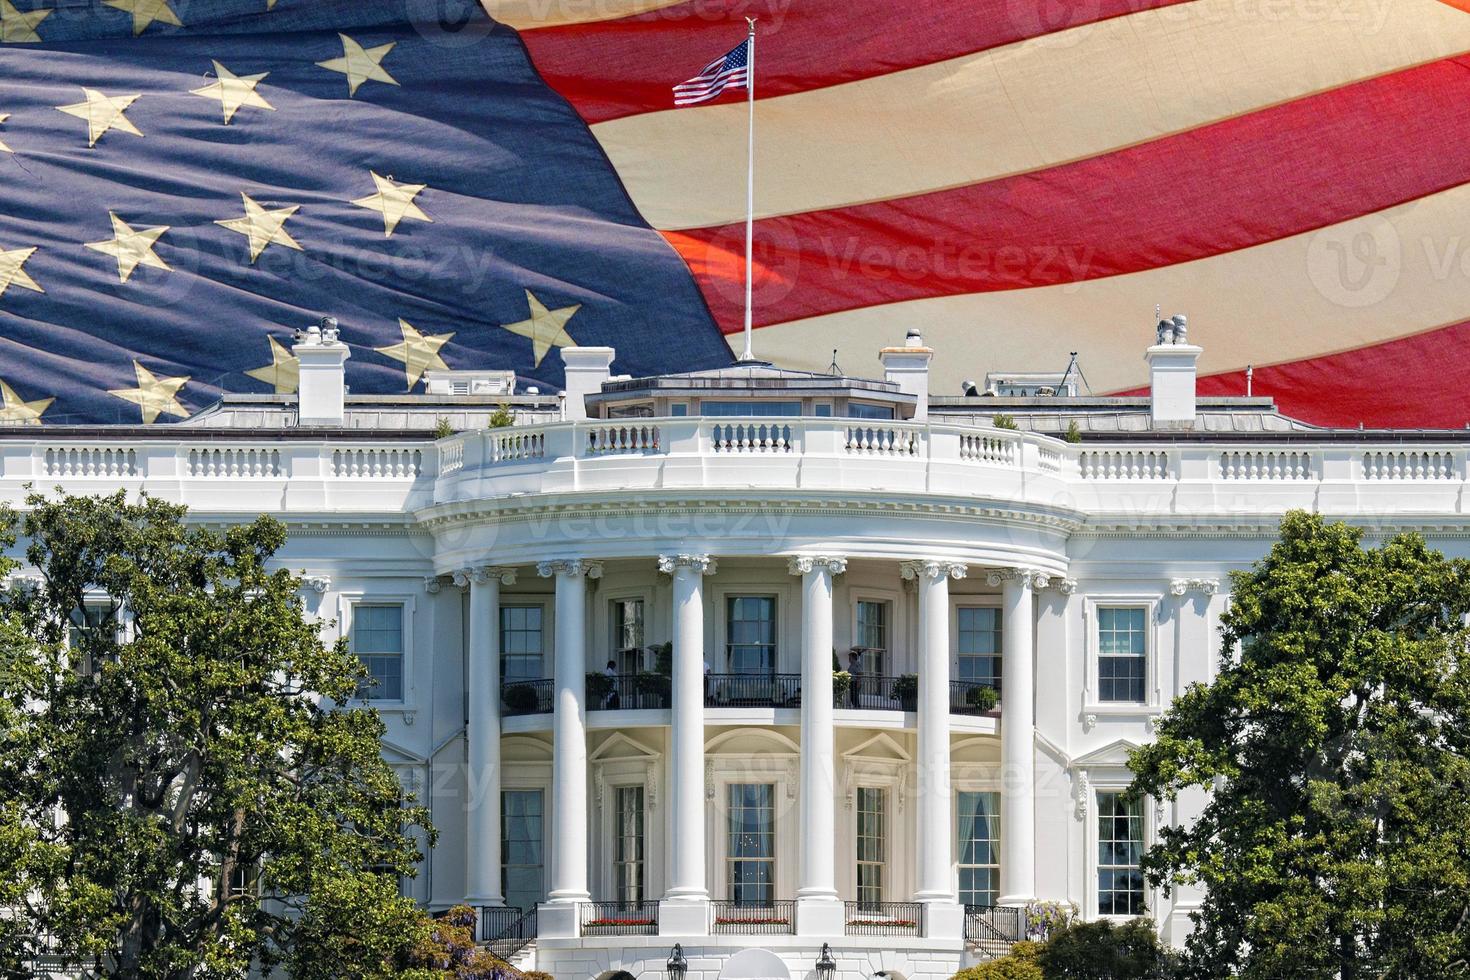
651	691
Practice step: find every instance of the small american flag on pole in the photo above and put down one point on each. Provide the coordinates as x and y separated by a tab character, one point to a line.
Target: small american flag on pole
731	71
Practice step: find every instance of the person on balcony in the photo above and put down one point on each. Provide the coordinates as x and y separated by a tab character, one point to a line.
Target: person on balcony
612	701
855	669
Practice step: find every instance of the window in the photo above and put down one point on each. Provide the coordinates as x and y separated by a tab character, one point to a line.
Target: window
678	410
872	819
751	853
642	410
749	409
628	845
521	827
979	646
751	634
1122	648
85	622
822	410
521	635
1119	852
872	637
858	410
377	639
627	620
979	848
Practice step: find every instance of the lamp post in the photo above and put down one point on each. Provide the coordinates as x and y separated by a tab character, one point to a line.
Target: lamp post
677	966
826	965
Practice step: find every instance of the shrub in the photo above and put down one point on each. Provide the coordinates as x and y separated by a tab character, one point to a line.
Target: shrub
1004	421
1045	918
651	682
982	698
442	428
537	975
1100	949
521	697
841	685
1019	964
599	686
906	689
1074	432
502	418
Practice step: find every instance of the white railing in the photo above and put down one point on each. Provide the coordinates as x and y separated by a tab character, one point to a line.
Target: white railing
234	463
752	437
616	439
1124	464
882	440
378	464
102	461
1266	464
995	449
451	458
1410	465
510	445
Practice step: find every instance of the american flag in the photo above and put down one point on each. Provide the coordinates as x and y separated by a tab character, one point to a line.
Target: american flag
732	71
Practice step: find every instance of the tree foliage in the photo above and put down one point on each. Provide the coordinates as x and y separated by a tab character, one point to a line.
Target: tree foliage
1104	951
182	796
1336	743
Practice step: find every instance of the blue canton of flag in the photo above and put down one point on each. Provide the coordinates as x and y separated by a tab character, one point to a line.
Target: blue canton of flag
186	182
729	72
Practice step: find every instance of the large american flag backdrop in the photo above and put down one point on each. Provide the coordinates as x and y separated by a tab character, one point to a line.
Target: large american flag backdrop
183	182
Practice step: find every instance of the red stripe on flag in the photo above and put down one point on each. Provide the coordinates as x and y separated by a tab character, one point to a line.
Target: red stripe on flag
1257	178
617	68
1421	381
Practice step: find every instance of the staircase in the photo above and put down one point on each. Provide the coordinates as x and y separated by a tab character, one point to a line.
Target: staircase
990	931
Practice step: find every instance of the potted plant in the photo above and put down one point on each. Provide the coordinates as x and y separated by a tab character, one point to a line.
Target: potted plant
520	698
906	691
599	686
841	687
654	684
983	698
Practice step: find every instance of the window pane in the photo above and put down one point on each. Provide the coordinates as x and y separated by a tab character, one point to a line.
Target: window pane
751	847
979	847
979	645
859	410
521	847
521	639
1119	852
1122	662
871	843
751	634
377	639
749	409
628	845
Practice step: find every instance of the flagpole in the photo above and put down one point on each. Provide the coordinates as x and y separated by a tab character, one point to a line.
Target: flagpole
749	354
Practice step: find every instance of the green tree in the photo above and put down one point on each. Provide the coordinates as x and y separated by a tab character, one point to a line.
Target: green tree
1104	951
182	797
1336	740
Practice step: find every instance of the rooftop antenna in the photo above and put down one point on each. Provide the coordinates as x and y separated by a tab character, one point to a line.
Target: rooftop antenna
832	368
1062	385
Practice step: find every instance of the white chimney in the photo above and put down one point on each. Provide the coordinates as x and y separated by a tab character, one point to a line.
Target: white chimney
322	398
1173	367
908	367
587	369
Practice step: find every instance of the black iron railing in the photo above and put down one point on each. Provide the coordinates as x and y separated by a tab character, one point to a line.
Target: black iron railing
627	691
618	918
883	919
973	697
874	692
495	920
752	691
993	928
527	697
761	919
514	937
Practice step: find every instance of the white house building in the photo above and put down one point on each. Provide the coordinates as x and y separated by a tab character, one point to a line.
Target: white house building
607	639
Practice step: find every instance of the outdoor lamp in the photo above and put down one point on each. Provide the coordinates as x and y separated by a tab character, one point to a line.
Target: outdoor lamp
826	965
677	965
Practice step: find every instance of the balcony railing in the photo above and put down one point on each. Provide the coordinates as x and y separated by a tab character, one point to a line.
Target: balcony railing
883	918
516	936
496	920
973	697
618	918
874	692
993	928
627	692
527	697
765	919
752	691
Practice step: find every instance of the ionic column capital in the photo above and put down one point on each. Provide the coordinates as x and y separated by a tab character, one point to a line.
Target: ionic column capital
701	564
573	567
932	569
801	564
1066	586
1204	586
1027	578
483	574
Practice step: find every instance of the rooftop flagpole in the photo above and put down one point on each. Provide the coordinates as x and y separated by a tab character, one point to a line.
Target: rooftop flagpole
749	354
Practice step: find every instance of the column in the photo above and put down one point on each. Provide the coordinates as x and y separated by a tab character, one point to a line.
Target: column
1018	734
482	734
819	909
569	828
685	911
936	883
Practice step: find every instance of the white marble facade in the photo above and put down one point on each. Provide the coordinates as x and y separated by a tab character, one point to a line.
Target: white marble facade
762	522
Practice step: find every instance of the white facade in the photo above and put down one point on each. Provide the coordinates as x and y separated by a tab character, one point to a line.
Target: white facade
485	575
